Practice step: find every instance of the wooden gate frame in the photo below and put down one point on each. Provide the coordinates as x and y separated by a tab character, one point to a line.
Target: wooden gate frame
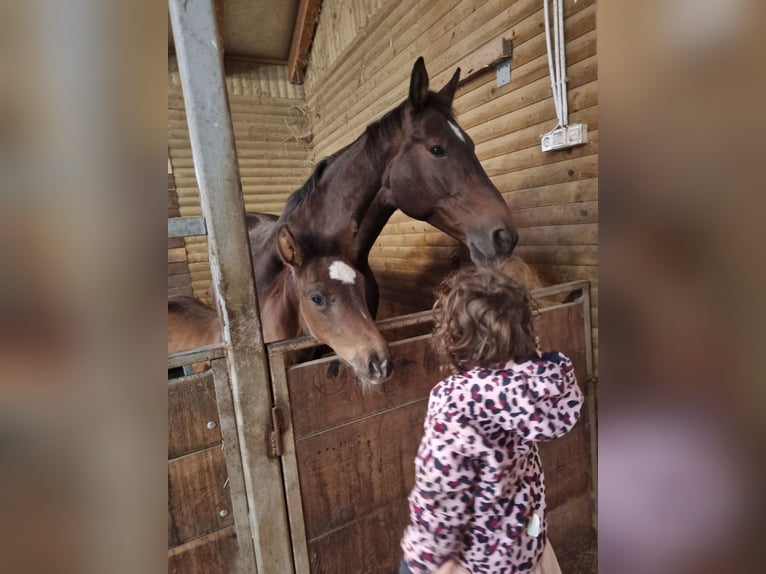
242	381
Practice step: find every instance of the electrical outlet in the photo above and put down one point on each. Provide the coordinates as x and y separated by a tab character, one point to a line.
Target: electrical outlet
564	137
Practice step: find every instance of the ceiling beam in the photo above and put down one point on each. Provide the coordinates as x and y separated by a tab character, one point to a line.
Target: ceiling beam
219	15
305	23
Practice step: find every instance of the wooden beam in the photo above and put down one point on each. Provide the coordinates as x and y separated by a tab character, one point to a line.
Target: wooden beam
219	20
200	63
305	23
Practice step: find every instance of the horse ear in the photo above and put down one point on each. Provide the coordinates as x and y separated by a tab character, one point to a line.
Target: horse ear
288	248
419	83
448	91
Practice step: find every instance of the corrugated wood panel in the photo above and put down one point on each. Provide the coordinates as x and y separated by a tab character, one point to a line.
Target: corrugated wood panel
179	278
244	78
355	461
554	195
273	139
196	495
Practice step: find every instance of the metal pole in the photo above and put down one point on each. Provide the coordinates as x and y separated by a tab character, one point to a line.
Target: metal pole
200	62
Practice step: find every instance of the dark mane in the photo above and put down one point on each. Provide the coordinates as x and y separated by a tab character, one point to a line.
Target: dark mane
297	197
314	244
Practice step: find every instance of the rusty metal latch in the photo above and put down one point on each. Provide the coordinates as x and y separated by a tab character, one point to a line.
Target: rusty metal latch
275	437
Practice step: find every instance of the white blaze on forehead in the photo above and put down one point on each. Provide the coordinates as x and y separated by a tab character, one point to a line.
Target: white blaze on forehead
342	272
457	131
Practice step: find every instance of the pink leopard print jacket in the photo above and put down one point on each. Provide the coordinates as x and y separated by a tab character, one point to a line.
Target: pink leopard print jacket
478	477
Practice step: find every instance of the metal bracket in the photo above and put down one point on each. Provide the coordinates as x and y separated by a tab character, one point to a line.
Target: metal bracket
275	436
503	73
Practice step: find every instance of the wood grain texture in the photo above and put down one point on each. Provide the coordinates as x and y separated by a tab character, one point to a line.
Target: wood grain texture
416	370
212	554
191	406
196	495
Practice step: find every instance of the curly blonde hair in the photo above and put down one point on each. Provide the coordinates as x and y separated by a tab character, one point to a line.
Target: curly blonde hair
483	318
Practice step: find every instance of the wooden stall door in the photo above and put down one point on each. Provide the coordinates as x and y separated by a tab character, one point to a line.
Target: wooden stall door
354	454
208	531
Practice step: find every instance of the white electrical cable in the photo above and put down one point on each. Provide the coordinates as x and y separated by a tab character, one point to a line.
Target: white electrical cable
563	71
557	58
551	70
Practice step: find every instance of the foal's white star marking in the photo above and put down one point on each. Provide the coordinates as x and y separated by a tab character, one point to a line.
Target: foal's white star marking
457	131
342	272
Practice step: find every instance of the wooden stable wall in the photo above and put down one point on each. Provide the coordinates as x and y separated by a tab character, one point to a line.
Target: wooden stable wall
273	142
359	68
179	278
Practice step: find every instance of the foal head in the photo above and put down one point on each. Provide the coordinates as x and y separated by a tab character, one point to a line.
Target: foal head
435	175
331	303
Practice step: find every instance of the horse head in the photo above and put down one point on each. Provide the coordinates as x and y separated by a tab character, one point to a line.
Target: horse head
436	177
331	304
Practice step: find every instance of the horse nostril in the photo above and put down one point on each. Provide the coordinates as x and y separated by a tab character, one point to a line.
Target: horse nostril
504	240
378	367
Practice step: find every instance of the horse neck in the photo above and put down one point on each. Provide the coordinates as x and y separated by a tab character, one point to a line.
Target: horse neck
375	219
347	188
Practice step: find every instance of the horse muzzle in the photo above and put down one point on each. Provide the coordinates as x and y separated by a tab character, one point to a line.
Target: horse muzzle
379	368
496	243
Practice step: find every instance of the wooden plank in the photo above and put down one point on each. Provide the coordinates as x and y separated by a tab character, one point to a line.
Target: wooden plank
178	281
305	24
185	290
350	471
575	234
179	268
196	496
232	453
211	554
559	254
568	522
293	495
175	242
564	214
373	542
416	370
191	410
176	255
559	273
566	170
577	191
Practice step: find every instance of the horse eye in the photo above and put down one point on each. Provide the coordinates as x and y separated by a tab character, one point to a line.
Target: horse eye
317	299
436	150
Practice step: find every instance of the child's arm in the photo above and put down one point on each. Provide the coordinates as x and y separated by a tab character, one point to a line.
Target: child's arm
545	399
443	491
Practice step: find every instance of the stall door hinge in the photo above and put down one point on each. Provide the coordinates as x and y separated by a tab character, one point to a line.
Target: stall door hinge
275	437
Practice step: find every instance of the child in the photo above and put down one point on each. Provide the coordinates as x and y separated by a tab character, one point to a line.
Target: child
478	504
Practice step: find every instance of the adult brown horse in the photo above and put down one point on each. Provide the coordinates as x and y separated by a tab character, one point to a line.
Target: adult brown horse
315	293
415	158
